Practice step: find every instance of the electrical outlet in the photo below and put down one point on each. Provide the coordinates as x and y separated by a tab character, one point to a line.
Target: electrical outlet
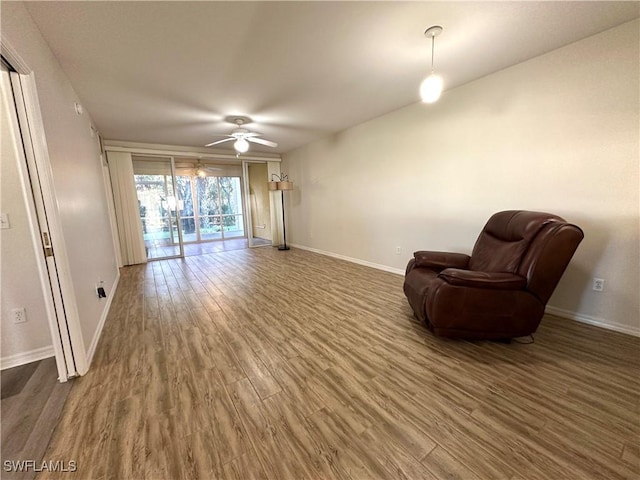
19	315
100	292
598	284
398	250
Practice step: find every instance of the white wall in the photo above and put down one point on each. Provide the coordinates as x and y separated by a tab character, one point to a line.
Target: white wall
77	170
19	279
558	133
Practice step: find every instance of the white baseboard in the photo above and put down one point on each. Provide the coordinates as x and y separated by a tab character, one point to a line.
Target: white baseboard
397	271
558	312
598	322
26	357
103	319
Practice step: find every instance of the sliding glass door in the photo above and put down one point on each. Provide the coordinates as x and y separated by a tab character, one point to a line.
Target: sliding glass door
160	208
209	220
184	185
213	208
185	207
230	207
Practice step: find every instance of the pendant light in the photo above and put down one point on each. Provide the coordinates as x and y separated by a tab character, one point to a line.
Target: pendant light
431	87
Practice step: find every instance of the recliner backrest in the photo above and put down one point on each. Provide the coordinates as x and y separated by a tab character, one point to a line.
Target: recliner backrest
535	245
506	238
548	257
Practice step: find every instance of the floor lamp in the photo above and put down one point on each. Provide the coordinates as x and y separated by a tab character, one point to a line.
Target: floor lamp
281	183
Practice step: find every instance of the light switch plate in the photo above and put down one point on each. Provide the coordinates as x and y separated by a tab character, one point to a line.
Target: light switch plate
4	220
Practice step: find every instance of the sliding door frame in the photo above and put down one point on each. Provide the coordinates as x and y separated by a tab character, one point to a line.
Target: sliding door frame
178	217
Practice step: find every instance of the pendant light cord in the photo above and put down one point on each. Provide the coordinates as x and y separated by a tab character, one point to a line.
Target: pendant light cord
433	42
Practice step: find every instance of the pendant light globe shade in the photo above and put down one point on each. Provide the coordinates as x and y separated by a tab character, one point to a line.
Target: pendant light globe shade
241	145
431	88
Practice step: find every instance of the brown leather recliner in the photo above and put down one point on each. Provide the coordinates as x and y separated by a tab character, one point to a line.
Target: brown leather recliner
500	291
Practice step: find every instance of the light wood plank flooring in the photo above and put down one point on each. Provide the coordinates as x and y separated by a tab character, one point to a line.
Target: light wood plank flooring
284	365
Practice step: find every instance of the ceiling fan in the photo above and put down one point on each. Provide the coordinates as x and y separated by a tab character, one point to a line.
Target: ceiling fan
202	169
242	136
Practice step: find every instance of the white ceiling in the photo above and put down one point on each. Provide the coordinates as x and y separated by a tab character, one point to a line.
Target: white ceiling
169	72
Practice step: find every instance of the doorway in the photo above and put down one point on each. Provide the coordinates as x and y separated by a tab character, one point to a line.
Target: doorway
256	177
32	275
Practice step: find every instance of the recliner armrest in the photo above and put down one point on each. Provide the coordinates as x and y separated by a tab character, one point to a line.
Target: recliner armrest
440	260
489	280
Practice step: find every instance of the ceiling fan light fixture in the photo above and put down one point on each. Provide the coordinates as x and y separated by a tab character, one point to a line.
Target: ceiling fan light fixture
241	145
200	171
241	137
431	87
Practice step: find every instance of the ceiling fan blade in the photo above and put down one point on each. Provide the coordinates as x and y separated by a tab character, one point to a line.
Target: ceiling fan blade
219	141
262	141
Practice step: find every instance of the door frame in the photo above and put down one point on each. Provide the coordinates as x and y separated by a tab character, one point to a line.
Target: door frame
247	201
44	217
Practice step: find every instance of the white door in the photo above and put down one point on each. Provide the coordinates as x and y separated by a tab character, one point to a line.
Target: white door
20	149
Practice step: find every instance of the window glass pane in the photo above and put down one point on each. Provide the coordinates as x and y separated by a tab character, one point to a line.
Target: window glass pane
150	190
185	201
233	226
207	189
188	229
185	205
157	204
210	227
230	195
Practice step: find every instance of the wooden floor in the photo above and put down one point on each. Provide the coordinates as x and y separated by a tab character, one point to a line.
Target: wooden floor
285	365
32	401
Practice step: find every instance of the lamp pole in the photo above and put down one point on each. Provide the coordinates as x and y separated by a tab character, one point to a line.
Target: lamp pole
284	228
282	183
